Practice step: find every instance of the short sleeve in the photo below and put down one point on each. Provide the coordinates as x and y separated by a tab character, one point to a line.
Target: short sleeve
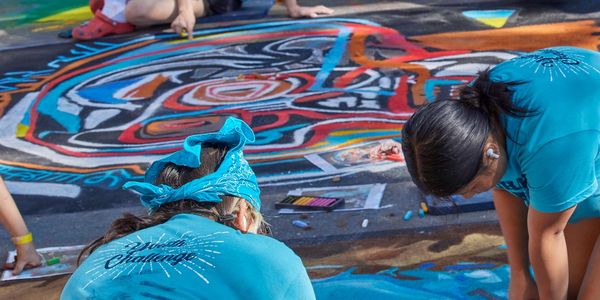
562	173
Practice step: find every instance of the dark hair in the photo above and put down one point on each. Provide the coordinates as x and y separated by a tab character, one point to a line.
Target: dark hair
443	141
175	176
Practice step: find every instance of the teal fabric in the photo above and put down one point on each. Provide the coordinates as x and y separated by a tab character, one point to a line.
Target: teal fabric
553	155
233	177
190	257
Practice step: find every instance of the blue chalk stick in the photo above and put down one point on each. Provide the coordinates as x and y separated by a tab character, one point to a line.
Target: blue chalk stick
300	224
421	213
408	215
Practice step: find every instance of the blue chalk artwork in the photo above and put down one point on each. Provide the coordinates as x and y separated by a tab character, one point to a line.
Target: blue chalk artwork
460	281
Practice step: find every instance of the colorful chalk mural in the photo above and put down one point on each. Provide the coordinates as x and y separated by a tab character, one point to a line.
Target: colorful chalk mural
98	113
43	15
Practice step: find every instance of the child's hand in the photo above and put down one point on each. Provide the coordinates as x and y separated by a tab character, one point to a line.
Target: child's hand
27	257
184	23
309	11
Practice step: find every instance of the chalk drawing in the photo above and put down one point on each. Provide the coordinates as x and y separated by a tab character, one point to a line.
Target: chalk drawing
101	112
494	18
461	281
43	15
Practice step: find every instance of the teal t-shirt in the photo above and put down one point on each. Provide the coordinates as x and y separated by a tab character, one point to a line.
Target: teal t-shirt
553	161
190	257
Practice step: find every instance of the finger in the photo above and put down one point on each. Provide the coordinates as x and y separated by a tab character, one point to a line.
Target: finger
19	267
324	10
313	14
190	31
176	27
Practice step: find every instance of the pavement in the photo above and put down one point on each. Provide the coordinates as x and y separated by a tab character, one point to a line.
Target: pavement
79	119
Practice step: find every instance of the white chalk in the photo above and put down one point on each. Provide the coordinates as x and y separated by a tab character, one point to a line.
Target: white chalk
365	222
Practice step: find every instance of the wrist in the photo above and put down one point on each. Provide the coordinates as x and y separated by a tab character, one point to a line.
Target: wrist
292	8
24	247
184	6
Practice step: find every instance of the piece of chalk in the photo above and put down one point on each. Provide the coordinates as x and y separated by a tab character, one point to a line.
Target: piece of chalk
300	224
53	261
365	223
408	215
421	213
183	33
424	207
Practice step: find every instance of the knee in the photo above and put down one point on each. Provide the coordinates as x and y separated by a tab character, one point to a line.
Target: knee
137	13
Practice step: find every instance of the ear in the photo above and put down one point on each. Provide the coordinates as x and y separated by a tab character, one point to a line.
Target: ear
491	157
241	222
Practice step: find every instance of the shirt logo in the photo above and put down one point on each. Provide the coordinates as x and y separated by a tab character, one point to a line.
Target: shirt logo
555	63
173	256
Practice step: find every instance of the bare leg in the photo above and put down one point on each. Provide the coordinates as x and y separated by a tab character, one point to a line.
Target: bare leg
590	289
580	240
143	13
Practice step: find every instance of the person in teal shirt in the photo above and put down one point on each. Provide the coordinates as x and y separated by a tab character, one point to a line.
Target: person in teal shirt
203	237
530	127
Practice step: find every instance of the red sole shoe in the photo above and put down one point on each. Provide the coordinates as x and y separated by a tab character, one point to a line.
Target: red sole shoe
99	26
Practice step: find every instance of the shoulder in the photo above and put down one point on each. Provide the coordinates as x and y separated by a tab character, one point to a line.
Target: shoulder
271	249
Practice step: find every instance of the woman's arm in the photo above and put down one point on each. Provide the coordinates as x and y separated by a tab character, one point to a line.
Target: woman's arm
548	252
15	225
512	214
297	11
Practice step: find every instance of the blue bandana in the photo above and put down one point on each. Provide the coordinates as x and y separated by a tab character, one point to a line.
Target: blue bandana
234	176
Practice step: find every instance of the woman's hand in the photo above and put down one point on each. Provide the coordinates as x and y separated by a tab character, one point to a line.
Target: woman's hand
297	11
184	23
27	257
522	287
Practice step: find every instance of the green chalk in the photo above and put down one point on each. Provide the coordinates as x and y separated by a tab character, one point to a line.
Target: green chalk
53	261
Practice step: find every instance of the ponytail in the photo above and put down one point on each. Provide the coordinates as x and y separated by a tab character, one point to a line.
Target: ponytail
492	98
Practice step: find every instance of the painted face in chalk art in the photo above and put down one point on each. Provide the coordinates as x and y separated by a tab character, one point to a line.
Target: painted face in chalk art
304	86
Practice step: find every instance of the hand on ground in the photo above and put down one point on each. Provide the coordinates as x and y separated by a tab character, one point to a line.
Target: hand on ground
309	11
27	257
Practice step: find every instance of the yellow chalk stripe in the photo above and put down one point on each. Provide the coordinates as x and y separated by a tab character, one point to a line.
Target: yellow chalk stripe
21	130
76	14
494	22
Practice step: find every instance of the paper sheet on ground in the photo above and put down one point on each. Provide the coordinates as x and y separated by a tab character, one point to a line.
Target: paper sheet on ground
356	197
68	263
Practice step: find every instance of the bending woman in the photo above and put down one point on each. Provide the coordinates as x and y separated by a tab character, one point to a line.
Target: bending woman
530	127
199	240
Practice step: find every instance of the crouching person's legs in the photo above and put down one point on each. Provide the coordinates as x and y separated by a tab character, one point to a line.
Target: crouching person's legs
152	12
